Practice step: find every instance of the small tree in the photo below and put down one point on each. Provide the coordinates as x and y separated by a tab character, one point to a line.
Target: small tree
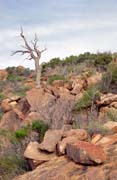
33	53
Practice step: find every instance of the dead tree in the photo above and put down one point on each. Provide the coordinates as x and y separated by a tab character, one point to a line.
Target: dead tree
33	53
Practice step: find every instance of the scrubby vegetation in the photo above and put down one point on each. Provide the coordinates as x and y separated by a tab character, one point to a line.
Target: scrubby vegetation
109	78
23	132
112	115
40	127
99	59
88	98
55	77
11	166
2	96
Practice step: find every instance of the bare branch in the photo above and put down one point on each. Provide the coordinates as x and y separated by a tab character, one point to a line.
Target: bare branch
25	41
43	50
24	47
20	51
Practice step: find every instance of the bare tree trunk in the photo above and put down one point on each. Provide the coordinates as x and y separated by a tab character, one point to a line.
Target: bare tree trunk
33	53
38	72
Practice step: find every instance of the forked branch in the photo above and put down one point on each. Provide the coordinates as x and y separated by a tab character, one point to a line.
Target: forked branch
34	52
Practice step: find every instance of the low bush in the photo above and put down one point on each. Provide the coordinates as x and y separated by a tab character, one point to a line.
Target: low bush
92	127
1	114
55	77
22	133
109	78
95	127
2	96
11	166
40	127
102	59
112	115
15	78
20	90
19	71
90	95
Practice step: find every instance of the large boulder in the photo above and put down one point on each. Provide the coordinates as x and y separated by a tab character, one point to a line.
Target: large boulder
94	79
51	138
23	106
10	120
32	116
58	83
41	102
107	99
80	134
61	146
52	109
3	74
5	105
110	125
85	153
71	136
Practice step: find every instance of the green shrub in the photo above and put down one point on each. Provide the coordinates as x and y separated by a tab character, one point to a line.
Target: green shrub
109	78
11	166
19	71
95	127
112	115
3	132
86	100
20	90
113	69
2	85
52	63
2	96
1	114
40	127
103	59
22	133
55	77
11	70
14	78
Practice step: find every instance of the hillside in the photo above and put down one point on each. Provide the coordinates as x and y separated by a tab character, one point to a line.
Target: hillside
67	128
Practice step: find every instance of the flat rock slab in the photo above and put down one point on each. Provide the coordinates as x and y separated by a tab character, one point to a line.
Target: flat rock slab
32	152
85	153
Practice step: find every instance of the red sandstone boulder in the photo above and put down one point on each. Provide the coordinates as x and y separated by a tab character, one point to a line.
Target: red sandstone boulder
10	120
94	79
54	110
51	138
3	74
107	99
71	136
85	153
5	105
80	134
61	146
58	83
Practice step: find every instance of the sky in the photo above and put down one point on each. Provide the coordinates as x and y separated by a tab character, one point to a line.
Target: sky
65	27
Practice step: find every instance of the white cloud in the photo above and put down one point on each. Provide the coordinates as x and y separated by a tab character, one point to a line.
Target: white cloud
67	44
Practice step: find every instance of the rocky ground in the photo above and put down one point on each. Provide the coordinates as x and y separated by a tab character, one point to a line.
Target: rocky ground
76	137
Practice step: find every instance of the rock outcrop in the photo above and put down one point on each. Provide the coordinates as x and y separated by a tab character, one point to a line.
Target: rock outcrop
51	109
85	153
63	168
3	75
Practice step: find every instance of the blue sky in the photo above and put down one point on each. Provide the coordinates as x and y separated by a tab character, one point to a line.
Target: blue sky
65	27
